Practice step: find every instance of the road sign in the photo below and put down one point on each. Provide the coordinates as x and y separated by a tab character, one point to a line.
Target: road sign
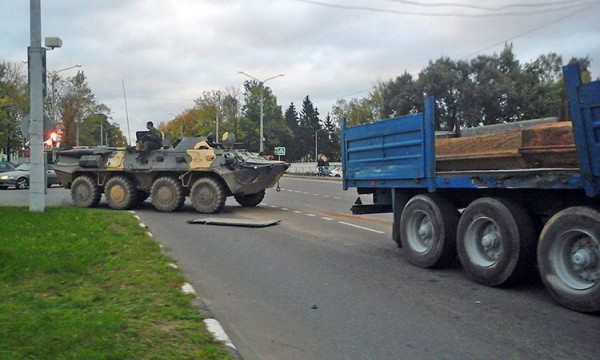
25	123
280	151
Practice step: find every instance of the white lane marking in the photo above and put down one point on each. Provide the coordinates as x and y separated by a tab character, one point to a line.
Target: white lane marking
310	214
297	212
326	218
285	209
273	206
361	227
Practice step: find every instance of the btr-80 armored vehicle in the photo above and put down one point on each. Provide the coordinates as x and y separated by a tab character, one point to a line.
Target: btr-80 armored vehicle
196	166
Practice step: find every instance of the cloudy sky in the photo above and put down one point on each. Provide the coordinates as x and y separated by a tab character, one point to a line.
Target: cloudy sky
167	52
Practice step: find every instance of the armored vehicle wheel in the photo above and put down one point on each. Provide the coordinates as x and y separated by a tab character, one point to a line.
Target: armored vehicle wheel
250	200
85	192
120	193
569	258
495	241
208	196
167	194
428	231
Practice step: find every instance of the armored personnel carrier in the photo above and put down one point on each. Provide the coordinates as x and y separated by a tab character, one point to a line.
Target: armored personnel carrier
198	167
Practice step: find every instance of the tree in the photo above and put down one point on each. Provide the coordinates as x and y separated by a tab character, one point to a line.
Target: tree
308	123
76	104
275	129
293	151
400	96
331	147
13	106
446	80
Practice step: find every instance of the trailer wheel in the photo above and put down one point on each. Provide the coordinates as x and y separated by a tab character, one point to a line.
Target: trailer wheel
208	196
167	194
569	258
428	231
250	200
120	193
85	192
495	241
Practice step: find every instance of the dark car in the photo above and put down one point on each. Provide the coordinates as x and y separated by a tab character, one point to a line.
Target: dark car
6	166
19	177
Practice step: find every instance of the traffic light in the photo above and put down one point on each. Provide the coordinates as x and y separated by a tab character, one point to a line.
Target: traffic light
52	137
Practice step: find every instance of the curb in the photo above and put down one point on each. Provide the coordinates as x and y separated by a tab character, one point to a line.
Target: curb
212	325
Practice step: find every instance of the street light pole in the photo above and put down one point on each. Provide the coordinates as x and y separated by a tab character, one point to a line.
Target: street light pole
261	83
53	75
316	142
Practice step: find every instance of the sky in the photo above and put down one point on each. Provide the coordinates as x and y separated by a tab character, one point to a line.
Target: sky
166	53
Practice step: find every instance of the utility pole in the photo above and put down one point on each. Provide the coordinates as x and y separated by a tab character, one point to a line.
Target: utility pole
37	177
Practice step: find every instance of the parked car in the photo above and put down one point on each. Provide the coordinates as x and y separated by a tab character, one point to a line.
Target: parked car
6	166
335	171
19	177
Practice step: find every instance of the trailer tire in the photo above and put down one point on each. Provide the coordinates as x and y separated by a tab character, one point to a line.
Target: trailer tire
208	196
495	241
569	258
167	194
85	192
428	231
120	193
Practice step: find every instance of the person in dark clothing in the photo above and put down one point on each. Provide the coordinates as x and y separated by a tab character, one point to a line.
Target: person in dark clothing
148	140
152	140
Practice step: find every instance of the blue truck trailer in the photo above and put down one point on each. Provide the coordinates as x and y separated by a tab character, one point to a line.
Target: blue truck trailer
500	223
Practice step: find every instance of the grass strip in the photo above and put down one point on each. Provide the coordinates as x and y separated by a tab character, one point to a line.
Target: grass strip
90	284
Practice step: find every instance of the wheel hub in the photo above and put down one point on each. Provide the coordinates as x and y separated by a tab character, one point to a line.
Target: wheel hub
425	232
165	194
117	193
484	242
585	259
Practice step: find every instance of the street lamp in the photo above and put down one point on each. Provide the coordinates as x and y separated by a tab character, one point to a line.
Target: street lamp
261	83
316	142
53	79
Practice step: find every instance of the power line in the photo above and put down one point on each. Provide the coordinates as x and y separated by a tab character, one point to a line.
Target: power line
487	8
569	5
546	24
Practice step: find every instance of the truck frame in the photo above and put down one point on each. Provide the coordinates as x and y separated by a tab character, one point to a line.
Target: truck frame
500	223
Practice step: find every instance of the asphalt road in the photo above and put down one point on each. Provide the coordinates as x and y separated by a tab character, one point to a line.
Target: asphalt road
323	284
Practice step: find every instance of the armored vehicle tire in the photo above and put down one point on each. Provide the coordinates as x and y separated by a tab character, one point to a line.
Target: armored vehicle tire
569	258
208	196
120	193
167	194
250	200
22	183
428	231
495	241
85	192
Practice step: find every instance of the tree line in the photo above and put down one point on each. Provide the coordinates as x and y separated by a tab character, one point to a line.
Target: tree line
488	89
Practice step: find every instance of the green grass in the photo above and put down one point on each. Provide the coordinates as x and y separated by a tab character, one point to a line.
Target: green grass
89	284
